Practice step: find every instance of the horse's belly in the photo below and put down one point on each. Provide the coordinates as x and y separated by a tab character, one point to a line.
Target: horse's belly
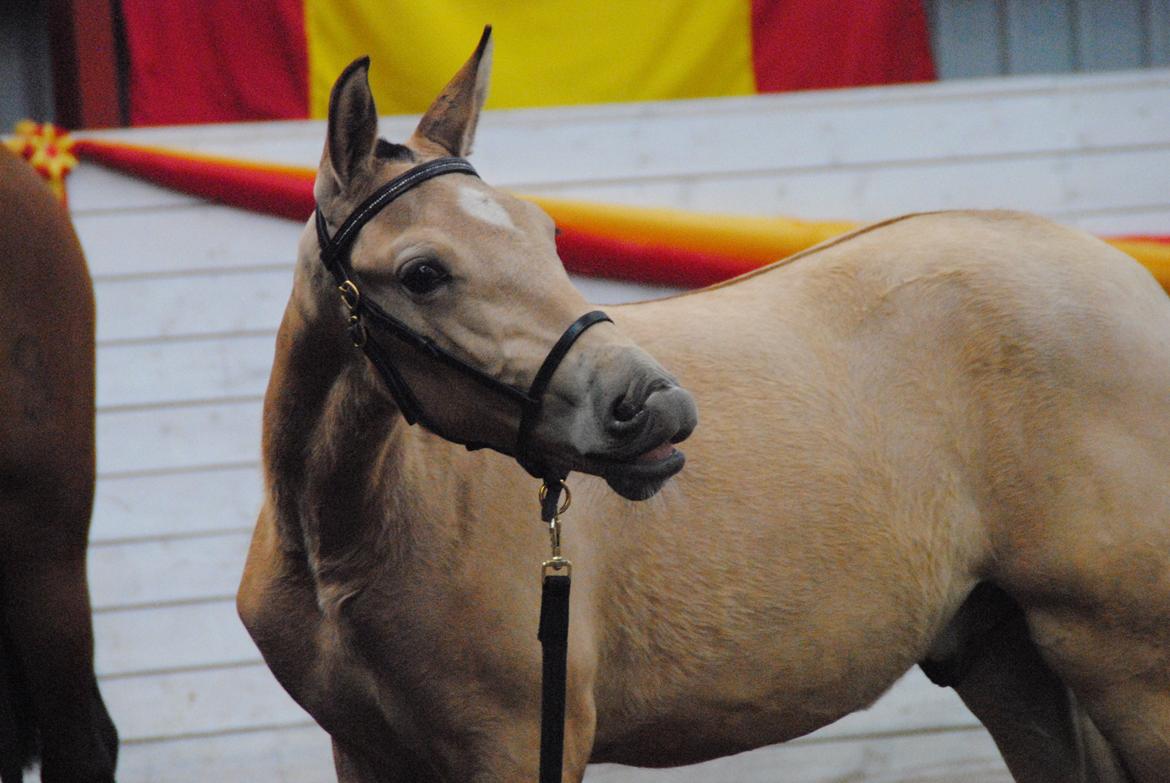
698	728
750	698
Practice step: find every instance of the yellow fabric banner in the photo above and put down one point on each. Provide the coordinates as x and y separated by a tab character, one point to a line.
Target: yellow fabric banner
547	52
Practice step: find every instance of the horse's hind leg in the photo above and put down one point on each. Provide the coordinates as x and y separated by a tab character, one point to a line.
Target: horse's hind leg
1119	669
993	665
1093	577
46	613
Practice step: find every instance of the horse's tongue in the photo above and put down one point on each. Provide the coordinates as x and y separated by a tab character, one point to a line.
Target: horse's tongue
657	454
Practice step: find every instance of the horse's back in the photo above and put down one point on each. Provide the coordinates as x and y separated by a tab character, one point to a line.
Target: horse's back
975	320
1022	355
976	396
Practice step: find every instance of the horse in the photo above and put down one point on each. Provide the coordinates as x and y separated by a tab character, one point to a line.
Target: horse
941	439
49	701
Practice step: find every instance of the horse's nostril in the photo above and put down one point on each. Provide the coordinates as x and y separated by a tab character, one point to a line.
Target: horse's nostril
624	410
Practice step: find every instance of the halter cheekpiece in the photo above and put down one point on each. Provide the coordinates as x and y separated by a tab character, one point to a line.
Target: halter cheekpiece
335	253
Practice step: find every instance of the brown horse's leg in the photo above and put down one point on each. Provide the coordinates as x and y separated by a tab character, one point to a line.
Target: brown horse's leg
999	674
17	734
46	615
47	610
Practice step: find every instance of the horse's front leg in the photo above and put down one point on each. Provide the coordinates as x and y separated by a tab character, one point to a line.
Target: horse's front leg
508	755
395	765
513	752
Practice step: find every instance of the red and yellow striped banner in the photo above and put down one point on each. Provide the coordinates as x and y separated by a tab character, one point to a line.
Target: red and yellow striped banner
220	60
663	246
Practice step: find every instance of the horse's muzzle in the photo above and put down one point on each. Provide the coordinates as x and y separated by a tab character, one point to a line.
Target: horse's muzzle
642	457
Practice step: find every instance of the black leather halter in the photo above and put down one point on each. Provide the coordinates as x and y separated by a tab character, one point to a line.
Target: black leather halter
335	257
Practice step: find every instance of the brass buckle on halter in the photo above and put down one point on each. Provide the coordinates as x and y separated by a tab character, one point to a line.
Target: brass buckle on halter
351	297
556	563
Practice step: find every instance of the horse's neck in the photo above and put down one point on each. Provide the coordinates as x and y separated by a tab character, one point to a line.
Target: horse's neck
347	477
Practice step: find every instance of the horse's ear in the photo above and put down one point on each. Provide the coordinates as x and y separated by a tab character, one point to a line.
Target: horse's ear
353	126
450	122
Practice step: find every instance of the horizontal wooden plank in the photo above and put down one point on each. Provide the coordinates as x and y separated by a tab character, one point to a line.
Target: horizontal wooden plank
183	371
1114	222
96	190
199	702
183	238
171	638
1045	185
300	754
201	304
179	504
187	570
224	434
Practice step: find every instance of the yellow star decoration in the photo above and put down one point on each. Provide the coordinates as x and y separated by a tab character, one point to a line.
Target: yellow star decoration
48	149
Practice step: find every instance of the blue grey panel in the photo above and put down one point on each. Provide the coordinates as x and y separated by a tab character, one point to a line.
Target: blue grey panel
1158	33
1110	34
967	38
26	82
1039	36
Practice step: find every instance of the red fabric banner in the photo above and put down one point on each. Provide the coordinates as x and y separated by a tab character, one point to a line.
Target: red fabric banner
216	60
811	44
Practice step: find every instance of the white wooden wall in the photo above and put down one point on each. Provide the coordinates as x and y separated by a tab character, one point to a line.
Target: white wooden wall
190	294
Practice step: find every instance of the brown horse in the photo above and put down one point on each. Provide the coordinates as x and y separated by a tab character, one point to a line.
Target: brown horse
49	701
940	439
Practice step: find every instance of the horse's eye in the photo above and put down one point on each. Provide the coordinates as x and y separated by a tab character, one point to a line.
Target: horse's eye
423	277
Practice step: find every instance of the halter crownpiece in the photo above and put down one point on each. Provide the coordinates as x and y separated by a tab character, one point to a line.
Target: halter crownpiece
335	252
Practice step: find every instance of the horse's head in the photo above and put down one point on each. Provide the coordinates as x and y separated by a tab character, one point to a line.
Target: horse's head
459	297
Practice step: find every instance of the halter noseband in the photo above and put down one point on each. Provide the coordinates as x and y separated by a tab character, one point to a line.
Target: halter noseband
335	257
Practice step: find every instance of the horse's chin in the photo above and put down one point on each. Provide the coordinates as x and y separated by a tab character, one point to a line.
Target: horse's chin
640	480
634	489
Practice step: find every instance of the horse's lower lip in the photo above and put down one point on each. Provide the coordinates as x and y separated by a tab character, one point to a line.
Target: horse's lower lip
641	480
658	464
656	454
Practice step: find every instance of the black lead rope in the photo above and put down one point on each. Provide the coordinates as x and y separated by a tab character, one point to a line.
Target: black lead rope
554	640
554	603
554	636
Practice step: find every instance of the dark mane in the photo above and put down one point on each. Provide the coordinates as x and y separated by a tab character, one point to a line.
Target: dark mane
389	151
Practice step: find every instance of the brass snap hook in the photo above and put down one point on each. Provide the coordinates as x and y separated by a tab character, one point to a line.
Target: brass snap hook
556	562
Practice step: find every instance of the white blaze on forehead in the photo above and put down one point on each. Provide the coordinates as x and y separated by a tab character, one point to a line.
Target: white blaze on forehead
480	205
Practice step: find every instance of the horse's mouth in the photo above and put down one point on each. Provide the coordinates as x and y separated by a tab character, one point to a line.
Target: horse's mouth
641	477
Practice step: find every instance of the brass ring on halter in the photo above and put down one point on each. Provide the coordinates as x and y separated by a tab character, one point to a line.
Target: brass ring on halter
357	331
568	500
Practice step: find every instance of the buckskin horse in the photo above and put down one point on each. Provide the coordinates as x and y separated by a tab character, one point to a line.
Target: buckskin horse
49	700
941	439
